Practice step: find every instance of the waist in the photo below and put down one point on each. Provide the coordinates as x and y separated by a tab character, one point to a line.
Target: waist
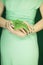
20	18
14	16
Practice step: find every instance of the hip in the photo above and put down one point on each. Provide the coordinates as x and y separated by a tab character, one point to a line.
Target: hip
8	36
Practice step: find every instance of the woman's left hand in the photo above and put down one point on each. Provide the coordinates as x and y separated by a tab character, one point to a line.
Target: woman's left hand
30	27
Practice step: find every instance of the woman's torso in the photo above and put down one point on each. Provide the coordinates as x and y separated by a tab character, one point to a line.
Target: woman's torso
22	9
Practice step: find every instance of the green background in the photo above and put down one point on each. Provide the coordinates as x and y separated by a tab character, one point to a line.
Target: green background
40	39
39	34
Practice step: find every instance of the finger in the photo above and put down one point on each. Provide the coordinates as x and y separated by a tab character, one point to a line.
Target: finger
12	26
28	25
11	23
26	31
11	29
26	22
22	30
30	29
19	33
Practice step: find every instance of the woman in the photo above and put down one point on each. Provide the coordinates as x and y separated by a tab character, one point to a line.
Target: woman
19	48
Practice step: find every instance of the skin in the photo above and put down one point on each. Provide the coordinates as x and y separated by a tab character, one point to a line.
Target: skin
39	25
8	25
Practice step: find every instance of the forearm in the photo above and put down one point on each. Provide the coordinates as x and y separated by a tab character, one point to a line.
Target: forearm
2	22
1	8
38	26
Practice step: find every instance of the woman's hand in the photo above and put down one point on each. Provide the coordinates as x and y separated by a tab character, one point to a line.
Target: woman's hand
38	26
10	27
21	32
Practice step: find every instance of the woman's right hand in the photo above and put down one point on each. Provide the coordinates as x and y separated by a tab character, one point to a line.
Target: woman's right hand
10	27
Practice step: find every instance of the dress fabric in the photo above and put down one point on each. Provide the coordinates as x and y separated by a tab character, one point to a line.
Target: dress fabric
14	49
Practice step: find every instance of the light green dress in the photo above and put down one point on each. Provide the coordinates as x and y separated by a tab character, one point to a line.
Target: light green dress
14	49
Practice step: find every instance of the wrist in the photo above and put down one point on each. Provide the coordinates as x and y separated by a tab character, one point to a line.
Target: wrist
38	26
5	24
2	22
